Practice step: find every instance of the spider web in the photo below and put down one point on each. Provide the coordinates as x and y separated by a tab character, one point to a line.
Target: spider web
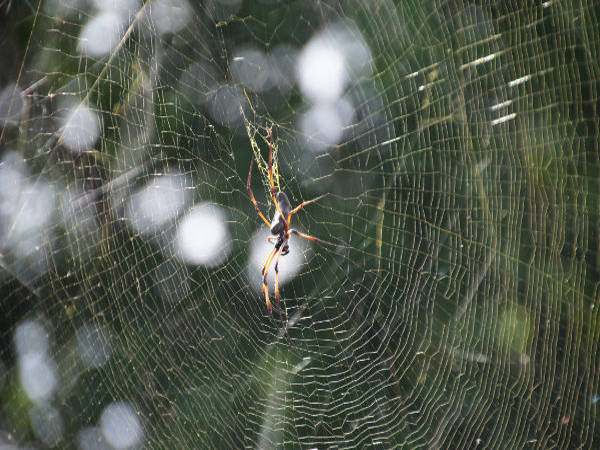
458	144
263	162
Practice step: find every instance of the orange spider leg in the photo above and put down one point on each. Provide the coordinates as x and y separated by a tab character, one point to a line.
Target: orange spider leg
314	239
268	263
302	205
265	269
277	276
252	196
265	272
270	132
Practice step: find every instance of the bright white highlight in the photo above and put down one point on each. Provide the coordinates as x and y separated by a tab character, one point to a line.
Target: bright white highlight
121	7
503	119
323	124
31	337
32	212
170	16
26	210
120	425
93	345
202	236
158	203
518	81
329	63
101	35
322	70
37	374
289	265
478	61
500	105
330	60
80	128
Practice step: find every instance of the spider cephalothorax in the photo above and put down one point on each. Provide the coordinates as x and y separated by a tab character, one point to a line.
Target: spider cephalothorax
280	225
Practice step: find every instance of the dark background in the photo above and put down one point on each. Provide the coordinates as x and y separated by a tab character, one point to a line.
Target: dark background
464	312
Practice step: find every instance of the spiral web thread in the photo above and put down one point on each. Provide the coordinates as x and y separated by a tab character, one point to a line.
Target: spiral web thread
461	161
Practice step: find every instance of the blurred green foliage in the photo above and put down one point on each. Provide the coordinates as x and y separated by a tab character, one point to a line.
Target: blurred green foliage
464	312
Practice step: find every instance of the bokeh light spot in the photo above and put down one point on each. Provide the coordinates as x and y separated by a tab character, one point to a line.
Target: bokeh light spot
290	265
37	374
120	425
101	34
202	236
158	203
80	128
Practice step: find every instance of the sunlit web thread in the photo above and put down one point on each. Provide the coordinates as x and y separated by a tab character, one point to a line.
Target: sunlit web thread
263	164
399	360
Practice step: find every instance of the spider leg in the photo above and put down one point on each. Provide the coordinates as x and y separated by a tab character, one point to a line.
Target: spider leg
314	239
285	221
277	275
265	272
265	287
302	205
252	196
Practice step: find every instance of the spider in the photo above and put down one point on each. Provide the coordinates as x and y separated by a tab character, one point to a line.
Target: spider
280	225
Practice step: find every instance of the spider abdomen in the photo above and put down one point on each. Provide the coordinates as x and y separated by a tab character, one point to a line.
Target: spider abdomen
278	223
